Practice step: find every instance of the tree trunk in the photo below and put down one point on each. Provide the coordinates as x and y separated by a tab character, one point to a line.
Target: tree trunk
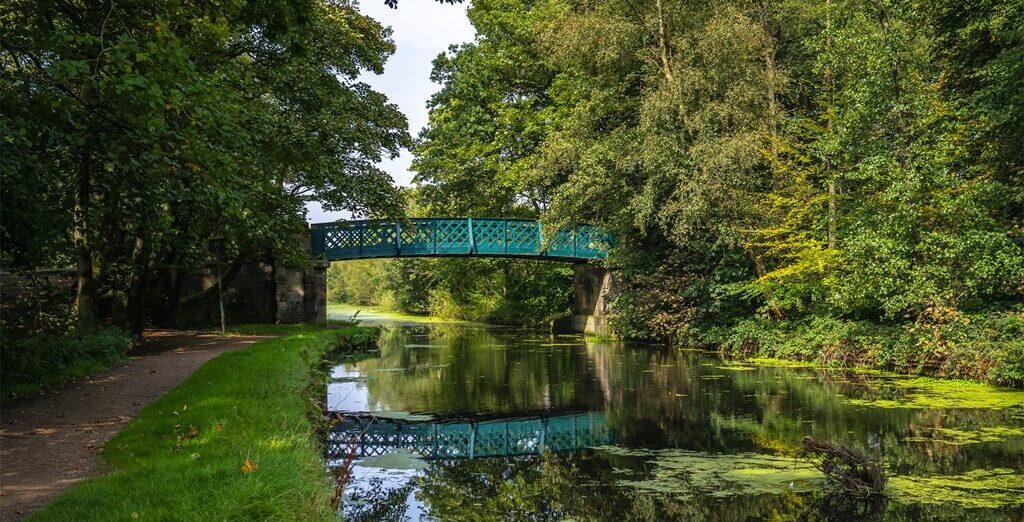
225	279
771	71
85	296
666	61
830	87
139	285
831	212
901	137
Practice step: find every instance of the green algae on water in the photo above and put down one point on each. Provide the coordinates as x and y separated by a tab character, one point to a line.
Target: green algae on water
931	393
979	488
957	437
681	473
779	363
736	367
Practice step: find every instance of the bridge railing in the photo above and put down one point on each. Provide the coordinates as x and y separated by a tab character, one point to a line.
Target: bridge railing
365	436
454	237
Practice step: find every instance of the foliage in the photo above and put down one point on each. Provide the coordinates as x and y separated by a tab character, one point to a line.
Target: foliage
30	364
354	282
234	441
848	172
145	140
513	292
983	346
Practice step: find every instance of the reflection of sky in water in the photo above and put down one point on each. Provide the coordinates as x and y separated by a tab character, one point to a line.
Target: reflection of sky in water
371	483
347	391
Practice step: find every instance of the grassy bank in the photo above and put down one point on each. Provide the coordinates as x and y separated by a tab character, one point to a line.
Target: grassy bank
33	364
980	347
236	441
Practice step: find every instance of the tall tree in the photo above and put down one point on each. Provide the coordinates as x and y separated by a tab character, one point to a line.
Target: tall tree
171	132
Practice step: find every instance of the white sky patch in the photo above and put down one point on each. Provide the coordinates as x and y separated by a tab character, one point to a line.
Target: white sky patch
422	29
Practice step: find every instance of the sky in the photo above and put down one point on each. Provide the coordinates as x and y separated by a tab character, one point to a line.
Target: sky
422	29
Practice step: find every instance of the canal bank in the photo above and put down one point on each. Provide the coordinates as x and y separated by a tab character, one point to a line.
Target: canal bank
235	441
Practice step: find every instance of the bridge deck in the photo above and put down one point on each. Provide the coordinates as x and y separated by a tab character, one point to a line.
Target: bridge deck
430	237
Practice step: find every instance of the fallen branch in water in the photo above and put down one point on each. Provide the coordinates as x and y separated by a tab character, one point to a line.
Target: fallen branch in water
846	468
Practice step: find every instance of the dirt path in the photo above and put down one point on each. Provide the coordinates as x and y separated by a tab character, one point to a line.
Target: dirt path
51	441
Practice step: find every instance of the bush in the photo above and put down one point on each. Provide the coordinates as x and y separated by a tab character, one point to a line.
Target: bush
33	363
983	346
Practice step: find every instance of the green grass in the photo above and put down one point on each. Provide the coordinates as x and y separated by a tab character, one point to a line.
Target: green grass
182	457
344	311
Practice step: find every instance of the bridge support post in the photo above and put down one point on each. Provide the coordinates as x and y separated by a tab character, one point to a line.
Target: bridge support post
595	288
301	295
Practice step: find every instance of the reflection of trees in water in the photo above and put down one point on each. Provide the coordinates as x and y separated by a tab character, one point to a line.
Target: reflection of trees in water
472	370
582	488
668	398
374	501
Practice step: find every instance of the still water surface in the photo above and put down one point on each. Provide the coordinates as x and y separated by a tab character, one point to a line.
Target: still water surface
460	422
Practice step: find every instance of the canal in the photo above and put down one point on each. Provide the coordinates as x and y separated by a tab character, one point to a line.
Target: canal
465	422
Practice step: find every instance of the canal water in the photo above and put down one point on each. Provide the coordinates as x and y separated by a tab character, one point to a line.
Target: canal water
462	422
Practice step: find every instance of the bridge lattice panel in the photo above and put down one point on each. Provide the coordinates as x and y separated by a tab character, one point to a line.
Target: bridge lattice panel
455	236
464	440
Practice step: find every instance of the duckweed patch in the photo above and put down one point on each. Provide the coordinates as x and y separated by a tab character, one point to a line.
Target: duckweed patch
980	488
779	363
957	437
736	367
684	474
681	474
929	393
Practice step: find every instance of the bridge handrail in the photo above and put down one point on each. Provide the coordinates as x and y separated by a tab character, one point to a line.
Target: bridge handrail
459	236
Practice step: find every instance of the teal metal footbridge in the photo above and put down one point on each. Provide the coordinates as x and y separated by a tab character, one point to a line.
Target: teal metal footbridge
465	439
462	236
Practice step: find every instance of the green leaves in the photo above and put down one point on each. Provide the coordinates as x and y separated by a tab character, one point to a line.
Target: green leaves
190	133
797	159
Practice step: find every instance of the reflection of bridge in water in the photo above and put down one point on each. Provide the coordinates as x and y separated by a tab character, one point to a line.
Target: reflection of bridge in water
470	439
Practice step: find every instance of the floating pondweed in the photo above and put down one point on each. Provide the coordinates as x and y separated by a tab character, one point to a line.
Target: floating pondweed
979	488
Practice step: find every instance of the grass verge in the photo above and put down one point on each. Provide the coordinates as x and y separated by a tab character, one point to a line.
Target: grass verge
236	441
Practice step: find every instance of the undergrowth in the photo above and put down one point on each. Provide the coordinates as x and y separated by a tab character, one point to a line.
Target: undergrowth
32	364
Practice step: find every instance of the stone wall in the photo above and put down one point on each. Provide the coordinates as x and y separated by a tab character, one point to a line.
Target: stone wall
596	287
301	295
261	292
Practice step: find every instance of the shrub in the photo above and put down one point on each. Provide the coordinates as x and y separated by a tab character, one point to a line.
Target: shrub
33	363
983	346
